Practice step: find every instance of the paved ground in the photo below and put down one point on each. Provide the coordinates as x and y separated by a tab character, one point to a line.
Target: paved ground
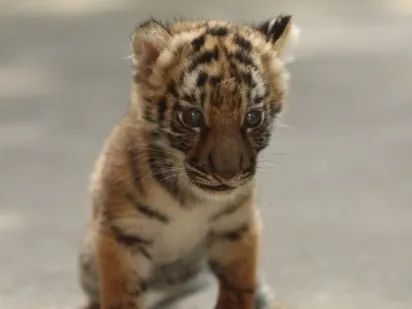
337	205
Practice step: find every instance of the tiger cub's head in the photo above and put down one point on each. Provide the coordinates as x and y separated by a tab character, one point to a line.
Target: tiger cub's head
207	94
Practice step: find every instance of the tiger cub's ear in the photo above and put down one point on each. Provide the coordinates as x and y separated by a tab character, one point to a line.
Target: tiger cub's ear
281	32
148	40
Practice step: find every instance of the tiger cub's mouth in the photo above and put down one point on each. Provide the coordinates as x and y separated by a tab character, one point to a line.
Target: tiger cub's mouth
217	188
209	182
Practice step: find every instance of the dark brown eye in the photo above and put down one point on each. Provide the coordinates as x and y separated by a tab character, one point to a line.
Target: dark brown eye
254	118
191	118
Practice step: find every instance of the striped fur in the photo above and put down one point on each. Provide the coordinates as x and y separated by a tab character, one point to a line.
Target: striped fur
174	186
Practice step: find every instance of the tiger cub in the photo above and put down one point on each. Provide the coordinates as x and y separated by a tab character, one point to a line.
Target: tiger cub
173	189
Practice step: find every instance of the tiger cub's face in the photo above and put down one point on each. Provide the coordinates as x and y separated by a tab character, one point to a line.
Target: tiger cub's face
208	93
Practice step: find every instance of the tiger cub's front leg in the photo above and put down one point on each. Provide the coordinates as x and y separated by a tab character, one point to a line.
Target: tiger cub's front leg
120	285
233	259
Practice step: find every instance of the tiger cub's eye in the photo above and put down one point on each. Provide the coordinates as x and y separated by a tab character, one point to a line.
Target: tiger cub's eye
191	118
254	118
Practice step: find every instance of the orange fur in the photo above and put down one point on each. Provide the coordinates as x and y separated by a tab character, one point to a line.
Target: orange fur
152	219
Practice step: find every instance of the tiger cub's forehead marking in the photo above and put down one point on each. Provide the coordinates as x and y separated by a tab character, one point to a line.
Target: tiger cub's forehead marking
222	65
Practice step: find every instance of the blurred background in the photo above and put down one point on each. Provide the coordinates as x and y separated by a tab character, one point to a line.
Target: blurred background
336	188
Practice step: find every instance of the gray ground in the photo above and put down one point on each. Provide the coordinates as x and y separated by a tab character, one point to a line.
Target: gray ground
337	205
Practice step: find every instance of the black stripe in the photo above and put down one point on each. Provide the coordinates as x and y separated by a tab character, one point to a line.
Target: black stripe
258	99
177	128
244	58
198	43
243	43
134	167
189	97
179	142
172	89
162	169
129	240
275	108
201	79
155	135
218	31
144	252
228	211
161	109
202	97
251	170
261	138
148	115
214	80
204	57
147	211
234	72
233	235
248	79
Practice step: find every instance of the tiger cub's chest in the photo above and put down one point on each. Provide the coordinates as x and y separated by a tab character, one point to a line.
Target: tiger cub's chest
185	236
